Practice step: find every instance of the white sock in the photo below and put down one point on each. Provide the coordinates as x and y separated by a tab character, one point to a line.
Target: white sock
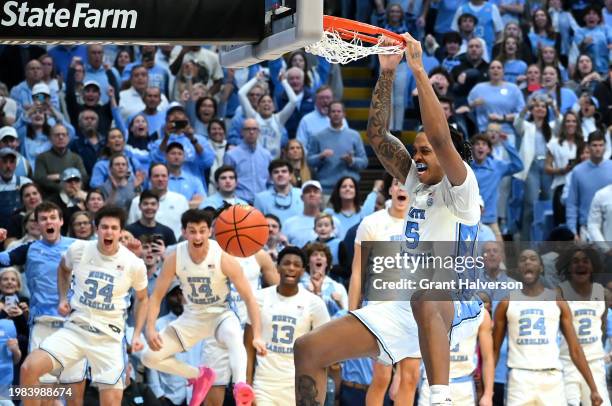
230	335
440	395
164	360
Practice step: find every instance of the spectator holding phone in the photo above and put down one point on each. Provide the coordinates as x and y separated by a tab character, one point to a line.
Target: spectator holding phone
199	156
14	306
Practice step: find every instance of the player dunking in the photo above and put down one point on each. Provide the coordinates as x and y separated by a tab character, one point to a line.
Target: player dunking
444	195
102	272
205	273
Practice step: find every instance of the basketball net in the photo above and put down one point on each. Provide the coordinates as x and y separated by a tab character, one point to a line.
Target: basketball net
337	48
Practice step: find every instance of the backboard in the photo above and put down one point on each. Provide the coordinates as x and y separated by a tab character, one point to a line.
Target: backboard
287	25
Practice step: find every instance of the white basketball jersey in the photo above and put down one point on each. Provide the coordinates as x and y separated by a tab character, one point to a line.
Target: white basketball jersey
252	271
463	357
586	315
205	287
380	226
441	212
102	284
283	320
533	326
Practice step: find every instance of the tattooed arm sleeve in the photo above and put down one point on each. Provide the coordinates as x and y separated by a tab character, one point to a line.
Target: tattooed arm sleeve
390	151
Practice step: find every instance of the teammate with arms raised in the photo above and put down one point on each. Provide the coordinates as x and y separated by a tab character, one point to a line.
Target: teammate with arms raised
587	301
533	317
205	273
443	194
102	273
288	311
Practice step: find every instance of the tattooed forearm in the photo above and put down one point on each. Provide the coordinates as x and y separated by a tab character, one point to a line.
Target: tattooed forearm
306	391
389	150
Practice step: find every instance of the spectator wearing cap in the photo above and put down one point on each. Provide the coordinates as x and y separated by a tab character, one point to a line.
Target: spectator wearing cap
90	98
171	205
595	38
89	142
199	155
251	162
180	181
299	229
318	119
282	199
71	197
489	23
226	179
337	151
489	173
10	185
50	164
96	71
131	100
10	139
23	92
587	178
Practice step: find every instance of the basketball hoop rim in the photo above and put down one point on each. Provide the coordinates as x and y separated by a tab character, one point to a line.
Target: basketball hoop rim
349	29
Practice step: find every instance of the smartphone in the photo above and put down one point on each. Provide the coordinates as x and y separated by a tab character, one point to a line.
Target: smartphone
12	300
180	124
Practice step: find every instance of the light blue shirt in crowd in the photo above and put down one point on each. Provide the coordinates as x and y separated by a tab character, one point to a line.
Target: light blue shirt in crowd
587	179
251	164
598	49
98	75
195	163
282	206
504	99
7	332
299	229
186	184
513	68
216	201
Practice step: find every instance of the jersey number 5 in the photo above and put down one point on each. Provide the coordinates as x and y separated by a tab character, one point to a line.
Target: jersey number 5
412	234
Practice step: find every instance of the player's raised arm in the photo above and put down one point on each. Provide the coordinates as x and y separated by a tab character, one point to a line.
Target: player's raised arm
575	350
434	120
499	327
231	268
390	151
165	278
269	273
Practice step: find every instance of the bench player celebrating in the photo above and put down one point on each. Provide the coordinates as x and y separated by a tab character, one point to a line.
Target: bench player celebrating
214	353
205	273
102	272
533	317
587	301
443	193
41	259
386	225
288	311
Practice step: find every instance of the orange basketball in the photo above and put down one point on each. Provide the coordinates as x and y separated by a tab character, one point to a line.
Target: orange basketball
241	230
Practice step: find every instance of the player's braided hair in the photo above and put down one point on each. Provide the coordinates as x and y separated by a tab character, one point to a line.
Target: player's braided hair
461	145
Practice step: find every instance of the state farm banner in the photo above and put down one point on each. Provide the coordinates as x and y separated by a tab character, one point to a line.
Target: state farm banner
162	21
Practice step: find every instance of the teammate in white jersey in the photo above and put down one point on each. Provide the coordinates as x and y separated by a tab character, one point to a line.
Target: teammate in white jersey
387	225
288	311
102	272
443	193
214	353
205	273
587	301
463	364
533	317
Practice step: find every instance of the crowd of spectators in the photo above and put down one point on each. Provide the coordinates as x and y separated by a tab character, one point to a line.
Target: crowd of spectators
160	129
